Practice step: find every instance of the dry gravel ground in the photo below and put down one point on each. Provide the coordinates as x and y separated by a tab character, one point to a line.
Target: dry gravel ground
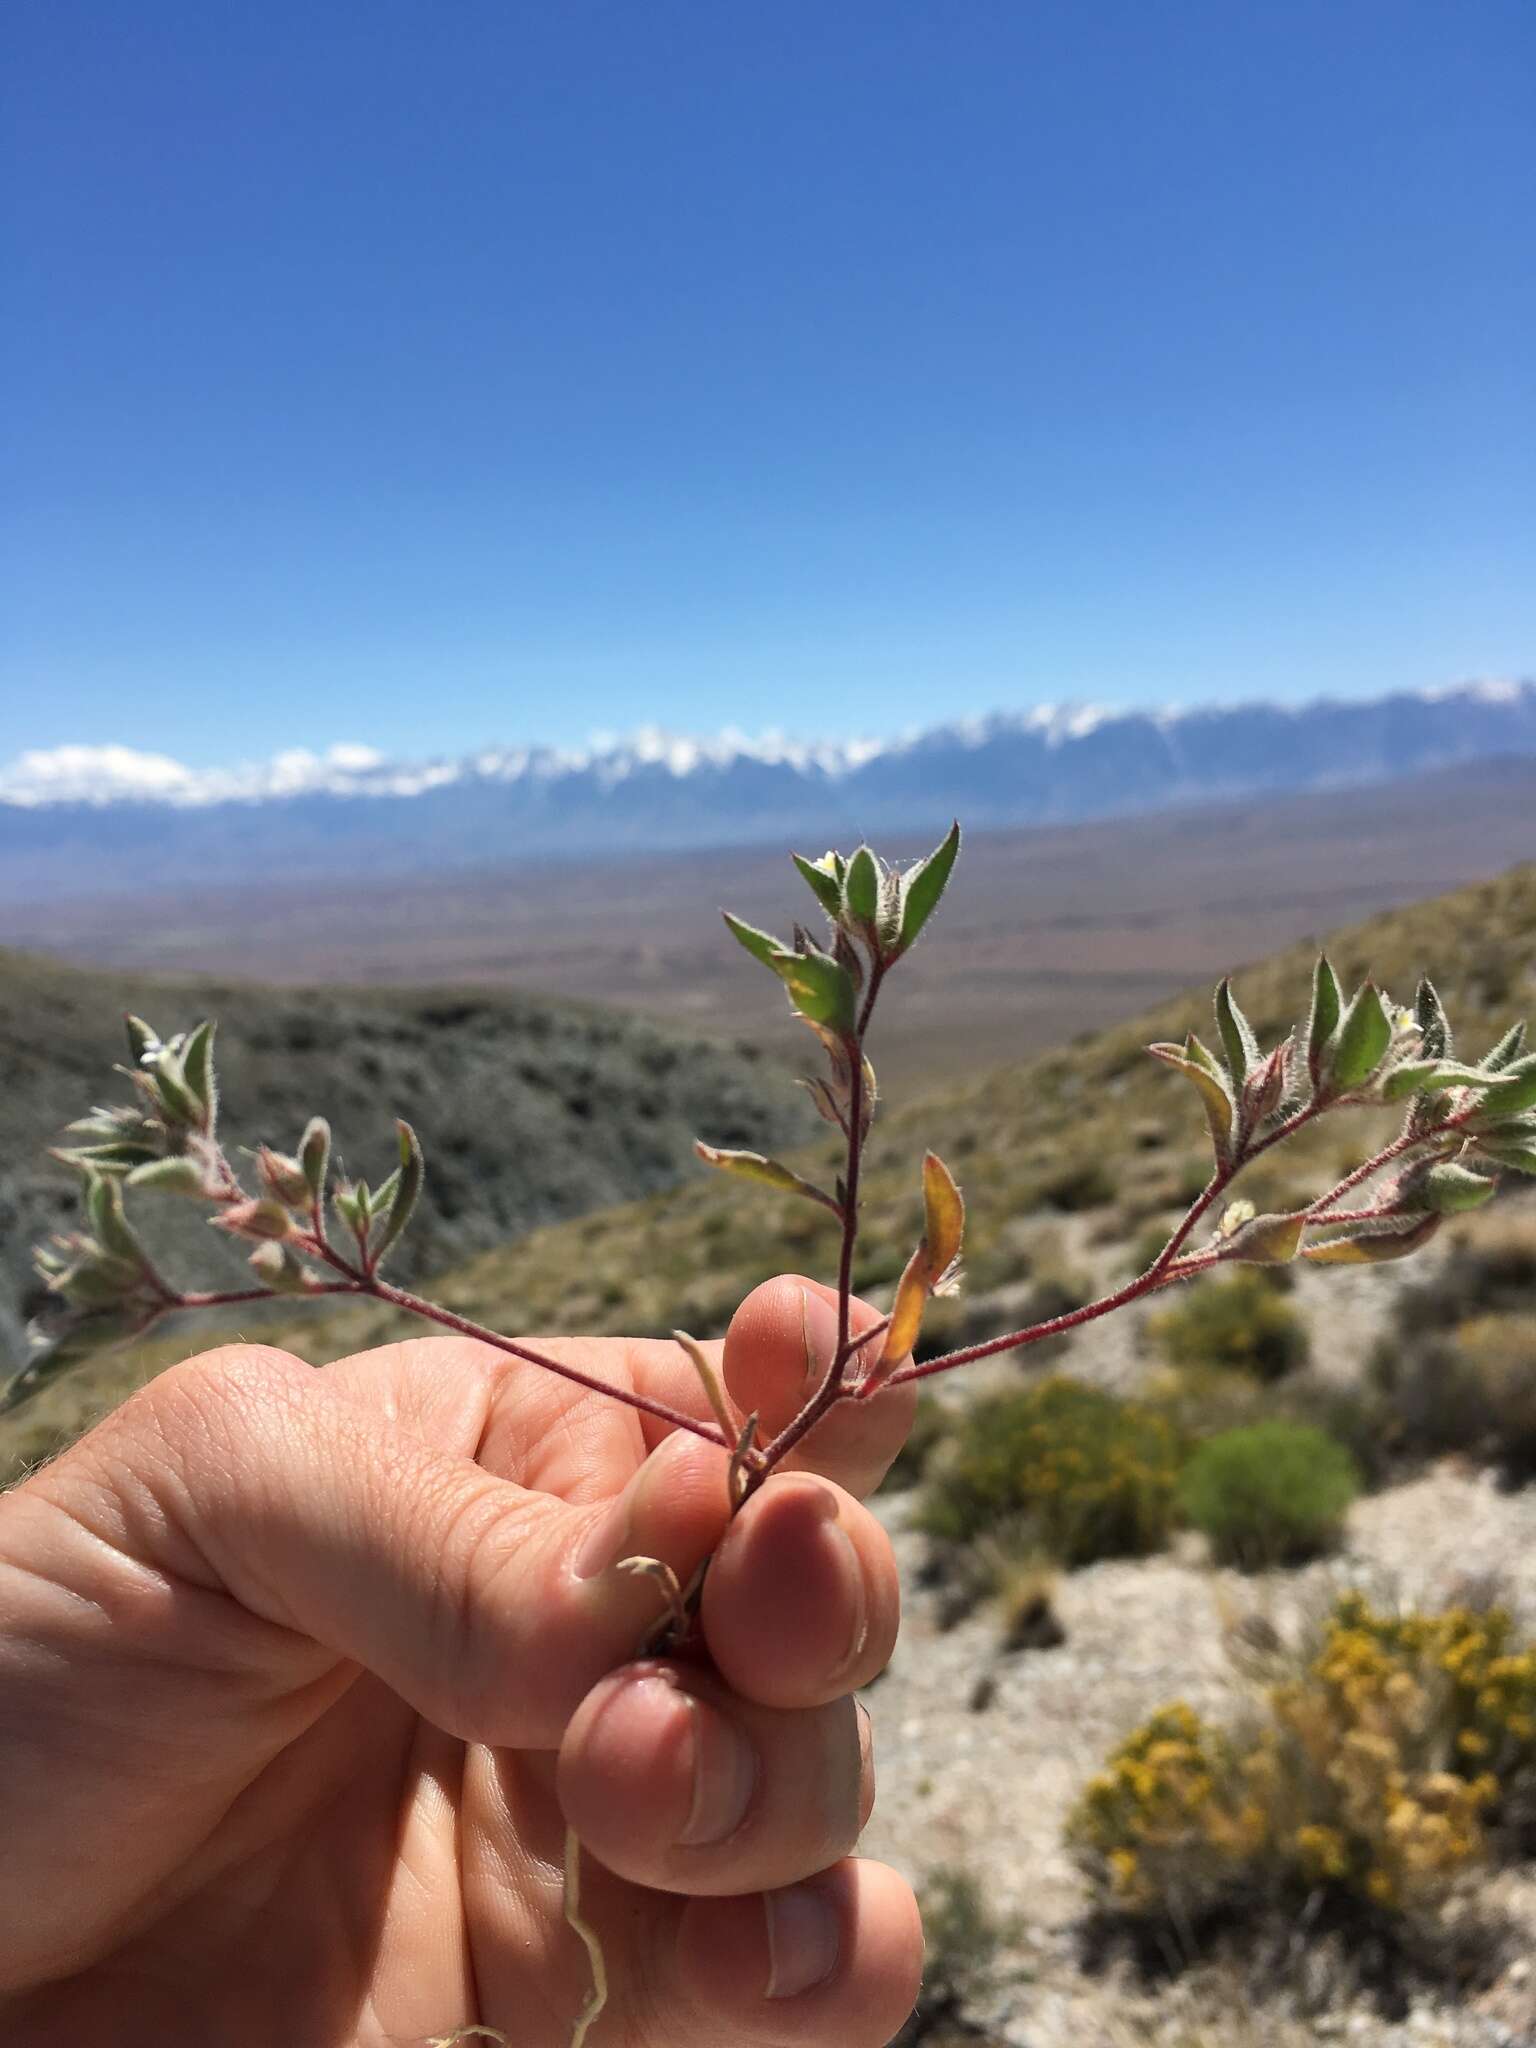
988	1790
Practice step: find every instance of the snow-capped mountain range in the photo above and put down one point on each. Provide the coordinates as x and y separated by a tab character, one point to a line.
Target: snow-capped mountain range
86	818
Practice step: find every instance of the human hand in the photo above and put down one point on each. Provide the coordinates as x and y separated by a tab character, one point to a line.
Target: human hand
303	1674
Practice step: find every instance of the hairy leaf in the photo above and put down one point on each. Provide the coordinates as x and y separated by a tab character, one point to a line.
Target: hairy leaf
772	1173
923	885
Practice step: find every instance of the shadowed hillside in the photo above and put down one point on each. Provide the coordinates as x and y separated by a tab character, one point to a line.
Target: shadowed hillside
530	1109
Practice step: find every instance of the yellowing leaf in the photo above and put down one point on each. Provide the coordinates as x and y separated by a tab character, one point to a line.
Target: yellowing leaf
943	1214
772	1173
1219	1111
1374	1248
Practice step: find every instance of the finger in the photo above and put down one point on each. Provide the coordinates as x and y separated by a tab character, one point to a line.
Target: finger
777	1350
678	1784
802	1599
835	1962
492	1609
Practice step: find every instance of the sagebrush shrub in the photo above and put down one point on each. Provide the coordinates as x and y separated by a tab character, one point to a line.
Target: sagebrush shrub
1271	1494
1084	1473
1469	1390
1241	1324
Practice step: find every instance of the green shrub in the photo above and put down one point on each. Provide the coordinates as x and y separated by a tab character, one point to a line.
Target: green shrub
1272	1494
1242	1323
1082	1473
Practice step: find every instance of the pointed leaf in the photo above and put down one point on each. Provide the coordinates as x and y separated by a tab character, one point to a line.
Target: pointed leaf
1219	1114
197	1065
823	882
943	1214
861	887
1507	1051
1365	1032
1372	1248
1435	1042
1427	1077
923	885
141	1037
408	1177
761	945
771	1173
170	1082
906	1314
1327	1002
1513	1092
1242	1048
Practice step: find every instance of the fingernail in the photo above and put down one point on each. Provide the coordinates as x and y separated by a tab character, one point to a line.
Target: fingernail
852	1574
803	1939
819	1326
724	1778
608	1538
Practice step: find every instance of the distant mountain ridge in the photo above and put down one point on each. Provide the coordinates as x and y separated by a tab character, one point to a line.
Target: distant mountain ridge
86	818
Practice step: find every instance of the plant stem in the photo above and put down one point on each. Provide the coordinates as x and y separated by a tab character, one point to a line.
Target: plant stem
397	1297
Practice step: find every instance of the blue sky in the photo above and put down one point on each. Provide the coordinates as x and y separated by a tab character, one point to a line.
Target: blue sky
433	376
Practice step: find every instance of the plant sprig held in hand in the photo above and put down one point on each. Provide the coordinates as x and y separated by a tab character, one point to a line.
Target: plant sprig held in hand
313	1232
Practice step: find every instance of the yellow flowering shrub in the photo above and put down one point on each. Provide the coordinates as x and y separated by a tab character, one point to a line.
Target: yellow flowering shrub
1380	1771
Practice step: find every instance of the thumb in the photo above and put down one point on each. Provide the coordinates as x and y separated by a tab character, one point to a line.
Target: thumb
488	1607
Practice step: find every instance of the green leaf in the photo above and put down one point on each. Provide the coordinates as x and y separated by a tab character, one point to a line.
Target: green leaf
181	1104
1365	1032
771	1173
1327	1001
1430	1077
408	1179
169	1177
1435	1041
761	945
861	887
1513	1092
1448	1189
819	988
141	1037
1507	1051
197	1065
923	885
1242	1048
104	1206
823	881
315	1155
119	1157
1515	1155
